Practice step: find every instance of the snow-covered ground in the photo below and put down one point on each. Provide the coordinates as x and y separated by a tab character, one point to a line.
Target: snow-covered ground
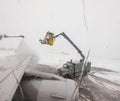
108	63
112	76
101	84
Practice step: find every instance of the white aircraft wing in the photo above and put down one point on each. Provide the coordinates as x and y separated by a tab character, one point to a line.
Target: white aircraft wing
11	72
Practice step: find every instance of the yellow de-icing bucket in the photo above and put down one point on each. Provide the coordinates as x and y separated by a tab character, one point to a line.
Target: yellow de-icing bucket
50	38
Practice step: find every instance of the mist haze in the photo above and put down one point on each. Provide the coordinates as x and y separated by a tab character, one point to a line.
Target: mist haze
33	18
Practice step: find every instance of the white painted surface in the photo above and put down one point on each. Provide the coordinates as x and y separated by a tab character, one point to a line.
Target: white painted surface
11	71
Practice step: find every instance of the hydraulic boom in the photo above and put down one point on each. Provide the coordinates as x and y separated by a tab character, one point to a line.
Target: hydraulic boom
6	36
66	37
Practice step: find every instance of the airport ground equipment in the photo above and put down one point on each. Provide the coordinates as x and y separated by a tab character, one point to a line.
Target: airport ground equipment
70	69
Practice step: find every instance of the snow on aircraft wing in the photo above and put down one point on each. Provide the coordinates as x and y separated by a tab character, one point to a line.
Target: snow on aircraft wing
11	71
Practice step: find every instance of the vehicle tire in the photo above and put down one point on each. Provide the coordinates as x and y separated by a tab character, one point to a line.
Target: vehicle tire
67	76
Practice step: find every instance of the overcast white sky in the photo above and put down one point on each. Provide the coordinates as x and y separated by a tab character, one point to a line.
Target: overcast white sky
34	18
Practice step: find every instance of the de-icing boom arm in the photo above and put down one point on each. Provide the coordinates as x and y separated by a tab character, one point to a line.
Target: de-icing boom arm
66	37
6	36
